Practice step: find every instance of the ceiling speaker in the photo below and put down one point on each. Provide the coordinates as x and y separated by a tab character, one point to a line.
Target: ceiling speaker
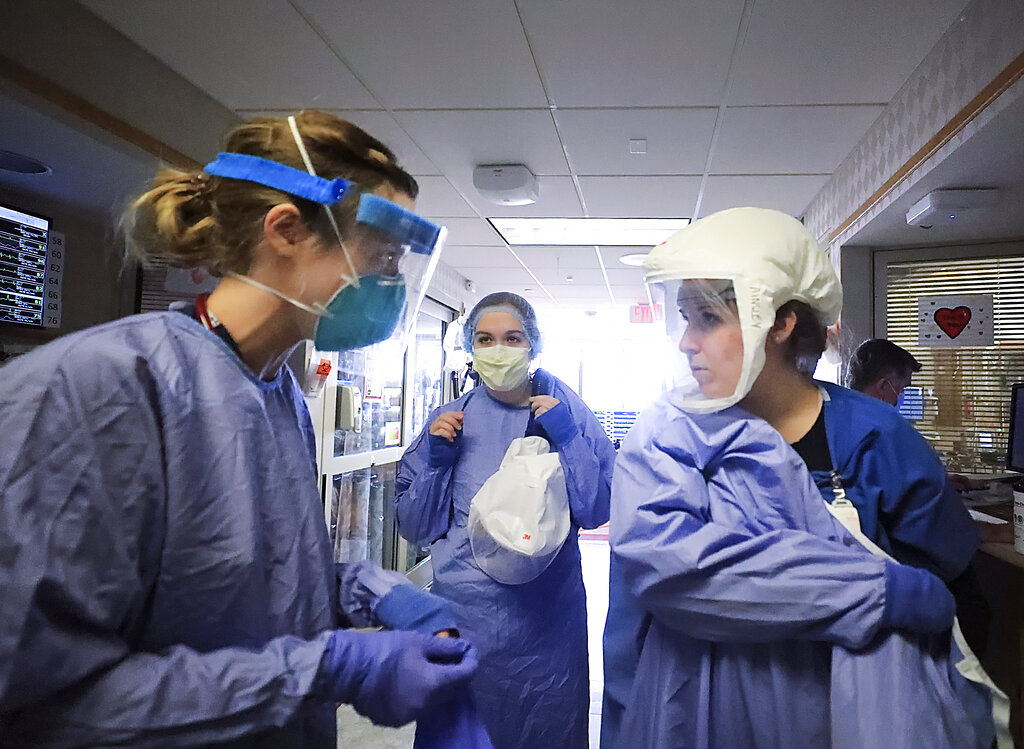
506	184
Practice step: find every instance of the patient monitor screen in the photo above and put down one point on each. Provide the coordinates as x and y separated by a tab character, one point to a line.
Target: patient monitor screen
22	267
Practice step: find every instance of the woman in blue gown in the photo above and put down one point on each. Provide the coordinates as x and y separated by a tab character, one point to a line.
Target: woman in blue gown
731	584
532	688
165	572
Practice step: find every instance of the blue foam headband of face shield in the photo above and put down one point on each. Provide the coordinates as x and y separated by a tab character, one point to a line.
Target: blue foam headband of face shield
393	219
375	211
279	176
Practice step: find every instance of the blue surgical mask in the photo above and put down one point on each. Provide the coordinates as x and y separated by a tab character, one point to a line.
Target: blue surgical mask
361	315
355	316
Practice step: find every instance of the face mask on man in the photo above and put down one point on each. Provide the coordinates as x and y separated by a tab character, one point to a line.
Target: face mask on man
502	368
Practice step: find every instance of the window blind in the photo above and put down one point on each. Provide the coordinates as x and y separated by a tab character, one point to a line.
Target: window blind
966	391
153	297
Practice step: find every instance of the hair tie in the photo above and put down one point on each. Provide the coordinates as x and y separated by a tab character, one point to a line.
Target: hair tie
200	184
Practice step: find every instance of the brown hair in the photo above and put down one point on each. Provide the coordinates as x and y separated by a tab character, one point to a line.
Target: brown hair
809	338
213	222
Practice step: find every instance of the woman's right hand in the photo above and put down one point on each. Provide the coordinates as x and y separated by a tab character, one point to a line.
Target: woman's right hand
447	425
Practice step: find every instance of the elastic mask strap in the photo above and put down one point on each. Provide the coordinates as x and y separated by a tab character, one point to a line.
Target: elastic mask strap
354	279
318	311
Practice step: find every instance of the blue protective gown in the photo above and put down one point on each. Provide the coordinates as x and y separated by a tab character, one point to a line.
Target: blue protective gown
165	573
727	589
902	491
532	688
730	585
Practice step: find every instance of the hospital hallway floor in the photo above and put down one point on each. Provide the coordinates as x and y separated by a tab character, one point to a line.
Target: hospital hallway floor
355	732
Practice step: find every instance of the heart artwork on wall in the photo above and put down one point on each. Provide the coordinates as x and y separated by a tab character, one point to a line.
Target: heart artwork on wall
955	321
952	321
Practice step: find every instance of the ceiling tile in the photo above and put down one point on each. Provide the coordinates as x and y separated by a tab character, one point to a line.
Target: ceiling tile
598	139
491	277
613	53
790	194
640	197
439	200
459	140
631	294
789	140
531	291
588	276
623	276
557	257
836	51
558	277
595	292
443	54
378	123
473	232
463	257
248	54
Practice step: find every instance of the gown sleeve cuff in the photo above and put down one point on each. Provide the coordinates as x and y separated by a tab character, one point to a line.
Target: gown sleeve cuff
440	452
559	424
409	608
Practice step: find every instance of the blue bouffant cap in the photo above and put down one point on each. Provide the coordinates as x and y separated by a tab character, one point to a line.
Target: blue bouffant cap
504	301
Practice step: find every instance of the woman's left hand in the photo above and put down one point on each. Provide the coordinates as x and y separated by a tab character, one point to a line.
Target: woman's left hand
542	403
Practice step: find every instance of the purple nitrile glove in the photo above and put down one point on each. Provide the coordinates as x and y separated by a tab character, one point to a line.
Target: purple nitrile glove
394	677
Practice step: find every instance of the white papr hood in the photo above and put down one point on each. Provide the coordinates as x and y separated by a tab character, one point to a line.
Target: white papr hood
770	258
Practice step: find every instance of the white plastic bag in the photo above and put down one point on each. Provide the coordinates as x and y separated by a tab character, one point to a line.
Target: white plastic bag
519	519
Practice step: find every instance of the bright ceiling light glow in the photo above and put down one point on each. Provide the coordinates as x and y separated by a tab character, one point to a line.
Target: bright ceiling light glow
581	232
633	259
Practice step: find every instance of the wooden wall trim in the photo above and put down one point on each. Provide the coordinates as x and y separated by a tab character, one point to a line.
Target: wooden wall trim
1006	78
79	107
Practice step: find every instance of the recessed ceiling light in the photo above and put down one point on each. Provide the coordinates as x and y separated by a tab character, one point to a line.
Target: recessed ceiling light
16	162
581	232
634	259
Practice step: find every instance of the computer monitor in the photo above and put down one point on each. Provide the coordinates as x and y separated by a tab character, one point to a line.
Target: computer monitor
1015	447
23	259
911	403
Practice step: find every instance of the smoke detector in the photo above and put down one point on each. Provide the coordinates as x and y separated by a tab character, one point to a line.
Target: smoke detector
506	184
945	206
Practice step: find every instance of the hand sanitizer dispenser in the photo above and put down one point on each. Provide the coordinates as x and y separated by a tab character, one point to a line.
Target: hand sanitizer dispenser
350	408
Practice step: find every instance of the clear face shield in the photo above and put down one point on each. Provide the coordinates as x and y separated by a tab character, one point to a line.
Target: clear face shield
396	251
704	328
390	257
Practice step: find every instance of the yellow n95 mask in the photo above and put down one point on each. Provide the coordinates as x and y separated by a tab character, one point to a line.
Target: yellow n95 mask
502	368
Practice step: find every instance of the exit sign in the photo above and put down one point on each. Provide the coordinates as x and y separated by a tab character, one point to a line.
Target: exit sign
644	313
